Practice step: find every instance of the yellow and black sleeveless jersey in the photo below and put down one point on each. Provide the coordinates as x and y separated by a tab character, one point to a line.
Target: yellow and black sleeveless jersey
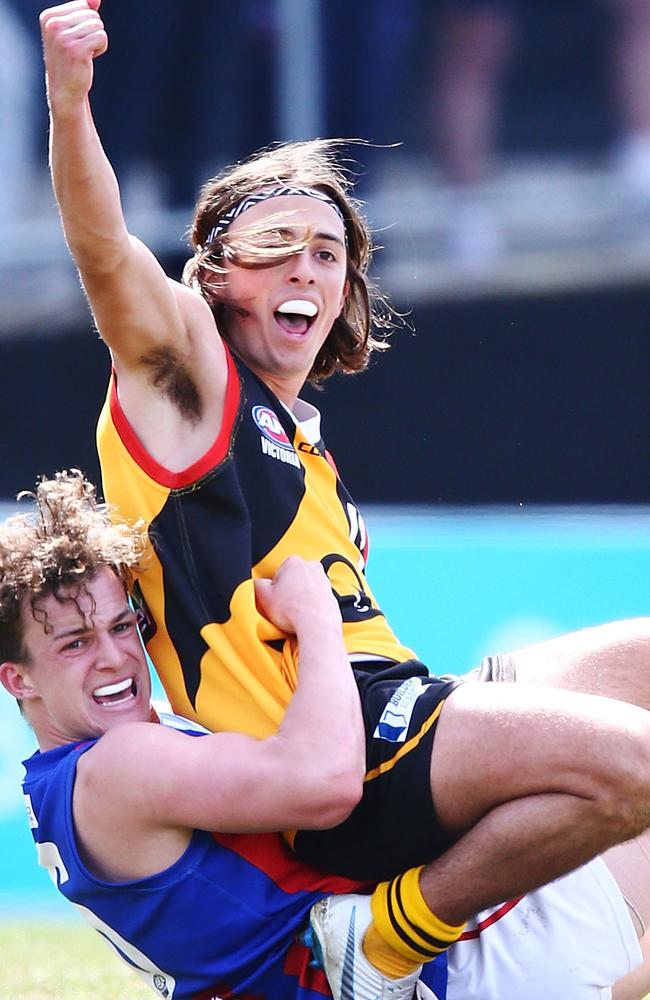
260	494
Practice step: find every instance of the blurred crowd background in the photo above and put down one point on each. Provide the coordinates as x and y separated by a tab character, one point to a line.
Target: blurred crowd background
508	183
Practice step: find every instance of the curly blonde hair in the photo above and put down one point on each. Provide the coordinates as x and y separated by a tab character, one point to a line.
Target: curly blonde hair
312	164
60	544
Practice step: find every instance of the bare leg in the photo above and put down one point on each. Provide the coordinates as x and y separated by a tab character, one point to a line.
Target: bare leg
611	660
533	784
630	83
631	66
472	50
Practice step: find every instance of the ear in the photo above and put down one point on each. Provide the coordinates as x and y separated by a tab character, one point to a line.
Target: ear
16	680
344	296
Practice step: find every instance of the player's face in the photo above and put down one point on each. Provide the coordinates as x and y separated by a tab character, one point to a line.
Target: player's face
88	670
282	315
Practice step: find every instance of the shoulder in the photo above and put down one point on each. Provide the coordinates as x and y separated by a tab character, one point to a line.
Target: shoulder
126	783
132	771
126	744
195	312
190	301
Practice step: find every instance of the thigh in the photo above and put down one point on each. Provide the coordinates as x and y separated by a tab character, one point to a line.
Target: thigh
611	660
499	742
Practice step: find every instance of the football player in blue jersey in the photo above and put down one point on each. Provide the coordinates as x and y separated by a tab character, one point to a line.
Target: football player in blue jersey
140	824
119	808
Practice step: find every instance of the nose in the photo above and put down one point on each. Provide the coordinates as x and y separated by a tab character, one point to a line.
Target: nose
301	269
109	654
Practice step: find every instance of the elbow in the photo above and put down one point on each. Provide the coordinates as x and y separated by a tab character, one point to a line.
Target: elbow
345	802
332	798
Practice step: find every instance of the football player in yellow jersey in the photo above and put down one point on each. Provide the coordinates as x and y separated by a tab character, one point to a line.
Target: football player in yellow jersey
205	437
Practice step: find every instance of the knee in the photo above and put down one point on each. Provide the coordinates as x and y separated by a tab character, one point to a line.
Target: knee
622	785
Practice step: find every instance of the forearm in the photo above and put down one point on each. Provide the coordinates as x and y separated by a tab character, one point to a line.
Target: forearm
87	192
310	773
323	726
84	183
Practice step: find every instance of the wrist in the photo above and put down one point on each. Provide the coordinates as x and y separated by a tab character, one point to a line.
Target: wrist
319	627
67	105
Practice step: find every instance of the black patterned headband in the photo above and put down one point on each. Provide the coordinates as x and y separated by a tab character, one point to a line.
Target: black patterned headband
281	191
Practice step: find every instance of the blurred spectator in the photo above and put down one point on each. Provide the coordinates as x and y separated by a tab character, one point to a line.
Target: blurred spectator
369	79
180	95
631	85
20	100
474	44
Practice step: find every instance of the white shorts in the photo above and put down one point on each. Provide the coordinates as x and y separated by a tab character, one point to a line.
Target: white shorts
570	940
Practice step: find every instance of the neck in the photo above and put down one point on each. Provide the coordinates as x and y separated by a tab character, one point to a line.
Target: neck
285	387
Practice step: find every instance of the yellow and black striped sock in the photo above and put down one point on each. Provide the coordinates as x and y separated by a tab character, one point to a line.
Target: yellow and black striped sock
404	923
385	958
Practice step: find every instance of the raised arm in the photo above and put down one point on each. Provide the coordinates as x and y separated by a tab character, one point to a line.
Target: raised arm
308	775
136	307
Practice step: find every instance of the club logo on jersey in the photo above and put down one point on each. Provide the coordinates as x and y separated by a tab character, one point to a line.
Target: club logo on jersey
270	426
160	984
274	440
348	586
396	718
31	815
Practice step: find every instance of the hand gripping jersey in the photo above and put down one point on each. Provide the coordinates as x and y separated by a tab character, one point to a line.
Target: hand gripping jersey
219	923
262	492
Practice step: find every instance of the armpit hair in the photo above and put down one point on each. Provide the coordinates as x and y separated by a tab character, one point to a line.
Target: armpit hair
170	376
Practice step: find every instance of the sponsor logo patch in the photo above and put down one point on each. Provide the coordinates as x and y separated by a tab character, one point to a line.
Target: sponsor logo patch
396	718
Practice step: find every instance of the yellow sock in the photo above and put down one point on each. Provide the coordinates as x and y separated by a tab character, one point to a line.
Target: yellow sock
383	957
405	922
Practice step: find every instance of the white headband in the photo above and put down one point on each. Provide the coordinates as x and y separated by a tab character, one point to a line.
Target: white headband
281	191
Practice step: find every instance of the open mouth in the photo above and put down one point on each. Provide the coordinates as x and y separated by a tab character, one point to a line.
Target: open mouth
116	694
296	316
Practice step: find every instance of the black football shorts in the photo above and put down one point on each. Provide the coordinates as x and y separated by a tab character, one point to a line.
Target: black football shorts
394	826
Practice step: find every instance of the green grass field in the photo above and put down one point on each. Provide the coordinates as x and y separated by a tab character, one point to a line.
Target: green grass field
57	960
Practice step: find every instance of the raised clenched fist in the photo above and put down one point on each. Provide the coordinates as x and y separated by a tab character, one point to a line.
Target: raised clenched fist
73	36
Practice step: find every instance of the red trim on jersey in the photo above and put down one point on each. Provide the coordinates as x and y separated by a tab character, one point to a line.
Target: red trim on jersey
269	853
297	963
214	455
330	461
492	919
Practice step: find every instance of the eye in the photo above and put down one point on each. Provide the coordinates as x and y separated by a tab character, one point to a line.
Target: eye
75	644
326	255
123	627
